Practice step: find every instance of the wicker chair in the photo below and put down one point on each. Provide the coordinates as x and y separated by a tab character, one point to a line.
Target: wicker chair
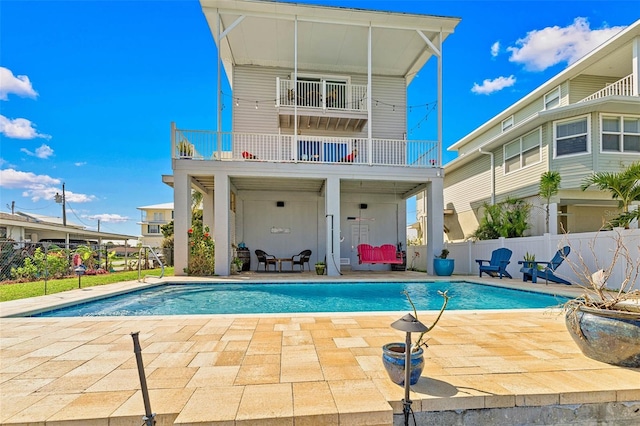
300	259
266	259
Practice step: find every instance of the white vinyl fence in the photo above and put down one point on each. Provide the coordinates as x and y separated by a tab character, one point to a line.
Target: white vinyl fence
596	248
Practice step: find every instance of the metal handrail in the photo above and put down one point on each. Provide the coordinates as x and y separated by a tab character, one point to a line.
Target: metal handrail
140	264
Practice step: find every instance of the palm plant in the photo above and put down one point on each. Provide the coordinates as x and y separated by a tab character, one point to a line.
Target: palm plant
549	186
624	186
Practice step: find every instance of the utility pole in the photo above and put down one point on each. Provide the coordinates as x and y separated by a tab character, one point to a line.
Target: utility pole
62	199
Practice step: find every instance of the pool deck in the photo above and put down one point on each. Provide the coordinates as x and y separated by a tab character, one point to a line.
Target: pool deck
301	369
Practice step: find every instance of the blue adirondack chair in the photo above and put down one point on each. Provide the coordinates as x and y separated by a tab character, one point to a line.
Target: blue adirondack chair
531	271
500	258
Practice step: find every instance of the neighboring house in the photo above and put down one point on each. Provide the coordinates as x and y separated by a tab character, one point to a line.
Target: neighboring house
152	219
33	228
585	119
318	156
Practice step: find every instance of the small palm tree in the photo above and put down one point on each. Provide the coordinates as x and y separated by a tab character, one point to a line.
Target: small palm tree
623	186
549	186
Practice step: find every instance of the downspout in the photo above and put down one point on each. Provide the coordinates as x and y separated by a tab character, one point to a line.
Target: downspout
493	175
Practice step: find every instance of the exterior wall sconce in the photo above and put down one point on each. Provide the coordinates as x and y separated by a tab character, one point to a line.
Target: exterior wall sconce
280	203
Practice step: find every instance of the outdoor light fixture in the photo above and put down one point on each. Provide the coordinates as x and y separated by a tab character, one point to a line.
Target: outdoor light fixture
408	324
280	203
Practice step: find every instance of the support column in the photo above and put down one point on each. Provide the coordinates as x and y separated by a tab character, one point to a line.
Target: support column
635	66
221	231
181	220
553	219
332	217
435	221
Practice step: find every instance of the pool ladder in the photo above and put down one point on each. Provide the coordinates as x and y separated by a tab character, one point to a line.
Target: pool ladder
157	259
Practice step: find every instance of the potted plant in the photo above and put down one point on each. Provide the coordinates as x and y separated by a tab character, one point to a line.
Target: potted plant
393	354
185	149
236	265
443	266
605	322
320	268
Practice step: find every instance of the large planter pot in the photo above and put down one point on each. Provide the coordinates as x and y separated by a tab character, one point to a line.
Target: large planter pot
443	267
393	359
605	335
320	269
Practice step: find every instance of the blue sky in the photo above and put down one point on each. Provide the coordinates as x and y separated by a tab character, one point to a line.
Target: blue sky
88	89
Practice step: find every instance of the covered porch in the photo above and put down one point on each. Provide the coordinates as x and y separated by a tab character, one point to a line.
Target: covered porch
284	210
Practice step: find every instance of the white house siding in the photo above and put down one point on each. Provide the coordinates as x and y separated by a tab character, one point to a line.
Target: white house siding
586	85
253	84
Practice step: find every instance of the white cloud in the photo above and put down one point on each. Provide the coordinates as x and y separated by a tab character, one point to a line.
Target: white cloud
541	49
19	128
19	85
109	217
490	86
38	187
80	163
495	49
44	152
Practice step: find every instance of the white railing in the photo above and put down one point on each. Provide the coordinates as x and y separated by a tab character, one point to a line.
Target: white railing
622	87
227	146
324	95
543	247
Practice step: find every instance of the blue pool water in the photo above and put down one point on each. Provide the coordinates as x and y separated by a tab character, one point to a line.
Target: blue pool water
185	299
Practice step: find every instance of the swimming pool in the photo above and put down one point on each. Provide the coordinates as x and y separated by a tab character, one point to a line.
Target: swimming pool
188	299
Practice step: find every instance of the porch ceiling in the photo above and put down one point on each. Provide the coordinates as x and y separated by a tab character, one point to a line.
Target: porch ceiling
402	188
332	39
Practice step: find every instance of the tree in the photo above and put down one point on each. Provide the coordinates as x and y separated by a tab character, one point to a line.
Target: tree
624	186
549	186
506	219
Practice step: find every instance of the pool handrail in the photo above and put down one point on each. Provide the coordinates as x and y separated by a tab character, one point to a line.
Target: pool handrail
140	263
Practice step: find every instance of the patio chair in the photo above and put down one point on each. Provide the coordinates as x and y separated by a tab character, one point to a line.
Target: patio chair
300	259
266	259
497	266
530	270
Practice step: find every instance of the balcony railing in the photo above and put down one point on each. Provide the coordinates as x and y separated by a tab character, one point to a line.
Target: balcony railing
622	87
225	146
321	94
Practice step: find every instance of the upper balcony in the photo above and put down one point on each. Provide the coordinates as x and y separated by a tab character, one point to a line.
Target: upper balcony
254	147
321	103
622	87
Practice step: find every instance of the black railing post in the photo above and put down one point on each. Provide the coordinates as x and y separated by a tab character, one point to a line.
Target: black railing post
149	417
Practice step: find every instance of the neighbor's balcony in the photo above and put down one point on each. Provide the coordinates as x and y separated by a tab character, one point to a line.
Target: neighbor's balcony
622	87
224	146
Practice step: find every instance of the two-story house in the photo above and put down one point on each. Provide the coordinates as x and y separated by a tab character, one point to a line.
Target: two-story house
318	157
585	119
152	218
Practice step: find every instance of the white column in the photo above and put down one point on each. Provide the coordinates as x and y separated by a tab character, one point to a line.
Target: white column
553	219
435	221
635	66
181	220
221	231
332	212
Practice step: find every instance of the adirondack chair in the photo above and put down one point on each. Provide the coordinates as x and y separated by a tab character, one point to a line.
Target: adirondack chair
530	270
497	266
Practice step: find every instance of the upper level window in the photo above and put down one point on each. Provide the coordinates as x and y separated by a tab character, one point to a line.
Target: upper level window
157	217
154	229
507	124
552	99
571	136
620	134
522	152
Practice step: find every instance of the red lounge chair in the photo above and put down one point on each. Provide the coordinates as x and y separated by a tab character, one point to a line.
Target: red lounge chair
386	253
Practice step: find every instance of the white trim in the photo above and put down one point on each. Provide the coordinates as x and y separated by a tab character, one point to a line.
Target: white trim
520	152
620	133
588	135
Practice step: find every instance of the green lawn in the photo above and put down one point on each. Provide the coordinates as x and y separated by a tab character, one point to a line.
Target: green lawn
37	288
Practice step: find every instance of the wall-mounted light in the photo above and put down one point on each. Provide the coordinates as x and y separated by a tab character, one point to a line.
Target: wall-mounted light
280	203
363	206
